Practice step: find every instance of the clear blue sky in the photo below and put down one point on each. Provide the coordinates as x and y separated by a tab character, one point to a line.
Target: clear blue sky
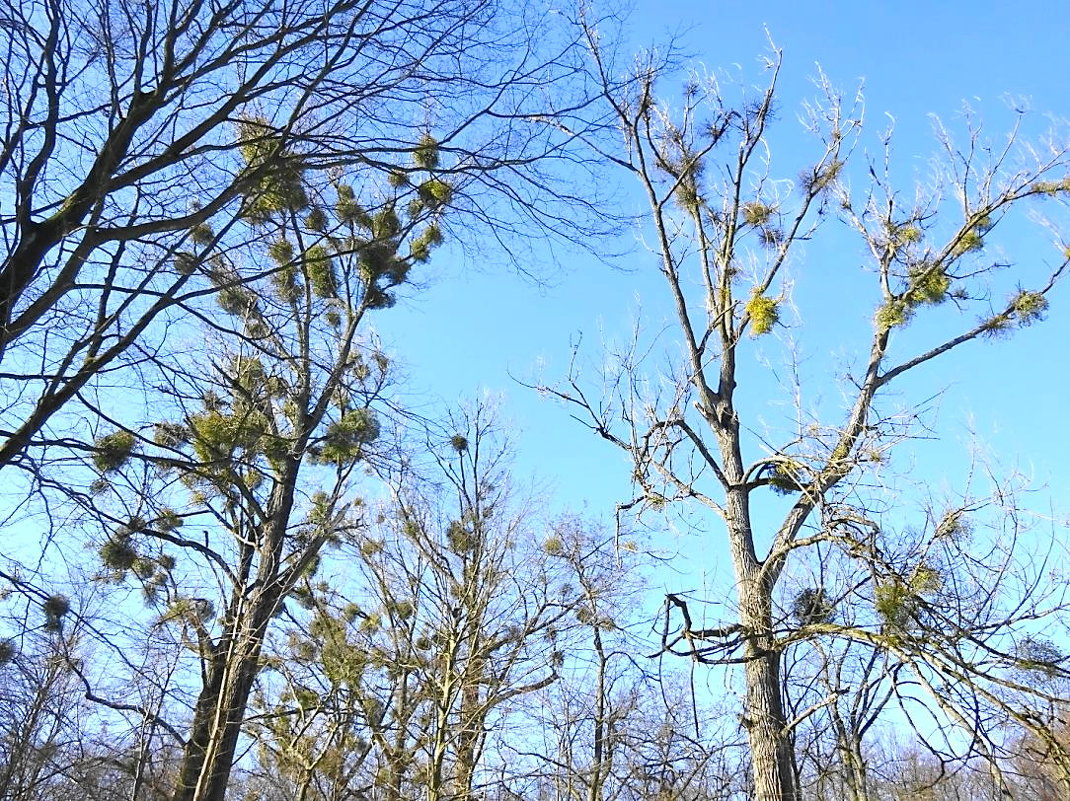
473	326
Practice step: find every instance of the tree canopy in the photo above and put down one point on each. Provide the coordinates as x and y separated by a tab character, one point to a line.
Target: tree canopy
246	556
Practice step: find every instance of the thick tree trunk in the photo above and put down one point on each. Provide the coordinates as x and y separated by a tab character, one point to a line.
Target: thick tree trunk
772	761
763	714
770	747
220	711
235	659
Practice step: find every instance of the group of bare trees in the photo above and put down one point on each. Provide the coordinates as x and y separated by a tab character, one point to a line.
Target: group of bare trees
235	566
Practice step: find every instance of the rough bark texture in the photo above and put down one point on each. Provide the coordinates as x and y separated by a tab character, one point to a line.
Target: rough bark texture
770	748
763	712
220	710
234	660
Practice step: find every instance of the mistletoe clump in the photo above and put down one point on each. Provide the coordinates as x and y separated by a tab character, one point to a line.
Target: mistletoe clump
113	451
346	437
811	606
763	313
275	176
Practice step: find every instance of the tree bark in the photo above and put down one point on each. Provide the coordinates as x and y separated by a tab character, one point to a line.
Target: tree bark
235	659
771	757
220	711
772	760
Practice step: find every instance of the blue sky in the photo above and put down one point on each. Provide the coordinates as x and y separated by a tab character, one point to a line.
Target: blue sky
475	325
478	325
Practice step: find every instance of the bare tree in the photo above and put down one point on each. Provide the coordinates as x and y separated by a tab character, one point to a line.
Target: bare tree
57	740
611	729
38	708
126	134
205	201
724	228
406	671
262	446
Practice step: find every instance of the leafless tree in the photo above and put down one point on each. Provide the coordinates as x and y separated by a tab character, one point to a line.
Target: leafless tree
726	230
613	729
404	676
126	134
260	441
204	202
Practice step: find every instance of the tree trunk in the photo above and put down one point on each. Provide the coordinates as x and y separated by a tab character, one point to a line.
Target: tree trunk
857	781
772	760
220	711
770	746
